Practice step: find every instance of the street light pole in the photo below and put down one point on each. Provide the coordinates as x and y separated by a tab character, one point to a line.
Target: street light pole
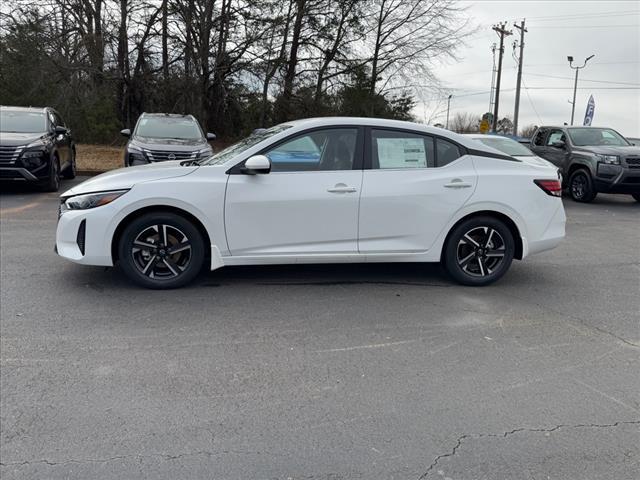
575	82
448	105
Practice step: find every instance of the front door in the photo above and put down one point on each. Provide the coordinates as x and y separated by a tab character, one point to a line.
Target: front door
307	204
414	186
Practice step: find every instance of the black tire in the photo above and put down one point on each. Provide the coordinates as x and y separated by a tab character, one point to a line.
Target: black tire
479	251
52	184
581	186
155	266
70	172
636	196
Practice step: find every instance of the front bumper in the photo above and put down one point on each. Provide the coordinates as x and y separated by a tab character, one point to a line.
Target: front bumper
617	179
82	236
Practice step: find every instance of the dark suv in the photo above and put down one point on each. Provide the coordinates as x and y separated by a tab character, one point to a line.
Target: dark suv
591	159
159	137
35	146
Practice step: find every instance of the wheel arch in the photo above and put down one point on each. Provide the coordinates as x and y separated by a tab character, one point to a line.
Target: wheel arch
511	225
157	209
579	166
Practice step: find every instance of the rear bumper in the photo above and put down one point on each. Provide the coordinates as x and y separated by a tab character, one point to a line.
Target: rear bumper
550	237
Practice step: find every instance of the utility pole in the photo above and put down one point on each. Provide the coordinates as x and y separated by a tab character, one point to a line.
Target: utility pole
500	30
575	83
494	70
516	111
448	105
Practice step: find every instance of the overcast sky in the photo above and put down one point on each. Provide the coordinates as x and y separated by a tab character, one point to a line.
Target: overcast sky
556	29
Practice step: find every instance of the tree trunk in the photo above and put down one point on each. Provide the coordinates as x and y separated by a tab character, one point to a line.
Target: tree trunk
284	112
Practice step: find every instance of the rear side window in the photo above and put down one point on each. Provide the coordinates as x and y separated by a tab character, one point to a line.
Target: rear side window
393	150
446	152
539	138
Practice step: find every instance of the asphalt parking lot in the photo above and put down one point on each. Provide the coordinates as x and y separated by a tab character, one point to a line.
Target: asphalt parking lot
323	372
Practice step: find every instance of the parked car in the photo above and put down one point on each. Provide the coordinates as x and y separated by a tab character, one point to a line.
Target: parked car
514	148
378	191
36	147
158	137
591	159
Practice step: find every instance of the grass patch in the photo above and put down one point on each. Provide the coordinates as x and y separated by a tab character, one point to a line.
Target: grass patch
99	157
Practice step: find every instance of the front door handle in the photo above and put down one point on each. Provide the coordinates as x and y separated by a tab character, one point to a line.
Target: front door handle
457	183
341	188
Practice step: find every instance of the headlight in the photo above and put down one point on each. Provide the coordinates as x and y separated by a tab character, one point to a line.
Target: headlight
204	153
136	157
610	159
92	200
33	154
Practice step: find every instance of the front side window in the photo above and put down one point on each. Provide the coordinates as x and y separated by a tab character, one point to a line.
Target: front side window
322	150
392	150
555	136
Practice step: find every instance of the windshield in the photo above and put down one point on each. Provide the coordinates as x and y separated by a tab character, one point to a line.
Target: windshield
506	145
16	121
183	128
583	137
245	144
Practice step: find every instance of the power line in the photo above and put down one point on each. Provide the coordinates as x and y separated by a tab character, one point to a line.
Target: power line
526	90
588	26
582	15
584	79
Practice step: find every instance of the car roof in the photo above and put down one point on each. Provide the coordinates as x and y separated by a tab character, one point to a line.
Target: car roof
386	123
167	115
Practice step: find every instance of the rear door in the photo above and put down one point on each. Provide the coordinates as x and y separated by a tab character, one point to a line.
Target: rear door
307	204
412	185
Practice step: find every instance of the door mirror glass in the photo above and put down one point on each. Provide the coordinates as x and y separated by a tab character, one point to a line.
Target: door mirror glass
125	133
257	164
211	136
558	144
60	129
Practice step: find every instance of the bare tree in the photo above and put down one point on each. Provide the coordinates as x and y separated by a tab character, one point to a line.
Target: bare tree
464	122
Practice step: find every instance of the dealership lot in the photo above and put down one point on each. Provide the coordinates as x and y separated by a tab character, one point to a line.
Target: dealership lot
323	372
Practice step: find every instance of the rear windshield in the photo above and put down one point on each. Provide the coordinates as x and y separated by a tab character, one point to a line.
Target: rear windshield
16	121
583	137
506	145
169	127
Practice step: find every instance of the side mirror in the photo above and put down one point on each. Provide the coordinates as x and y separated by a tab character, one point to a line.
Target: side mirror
211	136
60	129
257	164
559	144
125	133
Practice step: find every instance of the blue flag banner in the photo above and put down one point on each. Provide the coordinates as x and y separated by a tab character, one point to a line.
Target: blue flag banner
588	115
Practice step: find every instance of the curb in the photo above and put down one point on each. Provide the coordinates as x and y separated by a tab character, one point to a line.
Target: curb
89	173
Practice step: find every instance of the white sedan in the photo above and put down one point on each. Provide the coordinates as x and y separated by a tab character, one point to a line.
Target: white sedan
325	190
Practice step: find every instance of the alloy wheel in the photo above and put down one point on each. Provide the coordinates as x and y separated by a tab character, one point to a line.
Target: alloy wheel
579	186
480	251
161	252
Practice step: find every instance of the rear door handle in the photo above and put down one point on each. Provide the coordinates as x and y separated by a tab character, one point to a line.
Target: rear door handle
341	188
457	183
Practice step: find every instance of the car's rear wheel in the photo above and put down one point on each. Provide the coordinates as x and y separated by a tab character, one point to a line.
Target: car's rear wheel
636	196
161	250
479	251
581	186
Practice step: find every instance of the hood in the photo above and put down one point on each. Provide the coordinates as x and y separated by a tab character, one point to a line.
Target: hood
124	178
610	150
174	144
534	161
13	139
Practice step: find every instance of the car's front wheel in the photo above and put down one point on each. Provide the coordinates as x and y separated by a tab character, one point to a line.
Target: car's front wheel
52	183
479	251
70	172
581	186
161	250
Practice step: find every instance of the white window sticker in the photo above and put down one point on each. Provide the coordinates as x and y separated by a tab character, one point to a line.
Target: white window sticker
401	153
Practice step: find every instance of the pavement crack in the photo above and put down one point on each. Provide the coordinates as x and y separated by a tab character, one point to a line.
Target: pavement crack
475	436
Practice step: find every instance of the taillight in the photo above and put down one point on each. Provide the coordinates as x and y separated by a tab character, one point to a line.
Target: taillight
550	187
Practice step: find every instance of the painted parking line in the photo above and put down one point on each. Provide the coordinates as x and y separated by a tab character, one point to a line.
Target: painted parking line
28	206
